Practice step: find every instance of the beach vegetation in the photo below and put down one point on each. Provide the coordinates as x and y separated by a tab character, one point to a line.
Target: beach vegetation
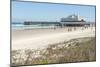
75	50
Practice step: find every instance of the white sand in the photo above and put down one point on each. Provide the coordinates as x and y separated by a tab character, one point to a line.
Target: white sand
35	39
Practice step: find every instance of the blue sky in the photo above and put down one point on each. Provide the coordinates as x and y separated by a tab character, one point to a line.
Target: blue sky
22	11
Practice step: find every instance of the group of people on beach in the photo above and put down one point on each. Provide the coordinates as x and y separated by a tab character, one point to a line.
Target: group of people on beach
70	29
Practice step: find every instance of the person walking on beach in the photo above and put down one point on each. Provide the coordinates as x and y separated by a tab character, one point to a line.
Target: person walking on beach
68	29
74	28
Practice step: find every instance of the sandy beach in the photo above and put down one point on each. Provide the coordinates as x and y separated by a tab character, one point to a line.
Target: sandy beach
41	38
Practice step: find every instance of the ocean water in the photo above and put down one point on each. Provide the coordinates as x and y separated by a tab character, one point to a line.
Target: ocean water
19	26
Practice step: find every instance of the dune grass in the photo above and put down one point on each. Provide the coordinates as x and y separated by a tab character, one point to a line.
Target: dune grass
75	50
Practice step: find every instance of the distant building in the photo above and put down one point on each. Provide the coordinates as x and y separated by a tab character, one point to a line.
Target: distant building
73	18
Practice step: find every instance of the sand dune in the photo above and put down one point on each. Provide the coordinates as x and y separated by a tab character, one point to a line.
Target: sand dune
37	39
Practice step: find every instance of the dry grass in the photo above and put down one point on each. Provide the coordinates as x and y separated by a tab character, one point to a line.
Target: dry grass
75	50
